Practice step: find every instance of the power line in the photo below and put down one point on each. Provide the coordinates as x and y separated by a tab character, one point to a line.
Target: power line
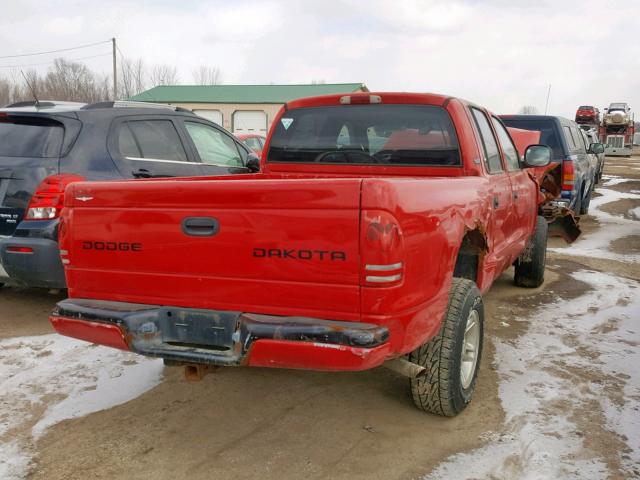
52	61
56	51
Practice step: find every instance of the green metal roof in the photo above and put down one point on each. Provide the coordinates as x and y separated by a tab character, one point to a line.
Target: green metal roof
242	93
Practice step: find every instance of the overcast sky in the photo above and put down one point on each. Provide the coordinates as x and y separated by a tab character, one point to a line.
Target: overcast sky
502	54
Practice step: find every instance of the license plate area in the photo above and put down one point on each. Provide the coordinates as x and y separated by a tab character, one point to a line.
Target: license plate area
199	329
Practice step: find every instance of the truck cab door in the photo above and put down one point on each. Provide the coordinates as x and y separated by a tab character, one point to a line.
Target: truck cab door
524	191
503	223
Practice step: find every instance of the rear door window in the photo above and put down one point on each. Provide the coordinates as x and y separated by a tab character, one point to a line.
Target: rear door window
35	138
214	146
570	140
510	152
150	140
492	154
577	139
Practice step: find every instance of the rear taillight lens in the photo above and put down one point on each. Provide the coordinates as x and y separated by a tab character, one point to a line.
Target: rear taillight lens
48	199
18	249
382	249
567	175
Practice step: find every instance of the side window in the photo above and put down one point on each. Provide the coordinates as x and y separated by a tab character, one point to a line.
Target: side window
492	154
577	138
253	143
150	139
510	152
127	144
214	147
570	141
585	139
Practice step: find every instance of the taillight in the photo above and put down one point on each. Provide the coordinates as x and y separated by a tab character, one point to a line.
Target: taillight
567	175
48	199
18	249
382	248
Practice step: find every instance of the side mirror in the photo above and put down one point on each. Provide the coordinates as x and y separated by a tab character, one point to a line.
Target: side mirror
537	156
596	148
253	163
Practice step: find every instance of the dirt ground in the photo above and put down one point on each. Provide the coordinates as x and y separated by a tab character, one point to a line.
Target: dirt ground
267	424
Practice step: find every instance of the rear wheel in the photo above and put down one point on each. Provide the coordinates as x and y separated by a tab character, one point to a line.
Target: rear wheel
452	357
531	262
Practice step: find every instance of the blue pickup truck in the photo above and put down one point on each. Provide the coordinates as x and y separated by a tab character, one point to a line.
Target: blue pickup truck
577	155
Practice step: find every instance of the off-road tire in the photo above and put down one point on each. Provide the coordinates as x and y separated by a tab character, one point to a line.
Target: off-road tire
440	391
531	262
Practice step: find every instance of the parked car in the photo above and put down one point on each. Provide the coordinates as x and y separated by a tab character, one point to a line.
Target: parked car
45	146
253	141
376	223
592	138
566	140
588	115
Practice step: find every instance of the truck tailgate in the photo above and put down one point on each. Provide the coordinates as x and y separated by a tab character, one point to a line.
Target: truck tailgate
256	245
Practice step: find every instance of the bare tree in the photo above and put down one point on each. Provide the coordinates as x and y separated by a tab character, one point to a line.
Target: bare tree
163	75
204	75
73	81
528	110
5	92
133	77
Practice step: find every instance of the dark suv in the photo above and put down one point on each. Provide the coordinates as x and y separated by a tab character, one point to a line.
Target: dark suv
577	156
44	146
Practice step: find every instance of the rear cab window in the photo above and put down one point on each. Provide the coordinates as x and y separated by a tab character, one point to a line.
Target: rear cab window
548	128
30	137
396	135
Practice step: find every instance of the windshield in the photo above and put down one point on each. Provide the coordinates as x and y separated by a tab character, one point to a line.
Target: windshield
547	129
410	135
585	107
30	138
618	106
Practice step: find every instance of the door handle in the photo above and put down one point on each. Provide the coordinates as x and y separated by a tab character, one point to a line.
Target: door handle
515	195
200	226
496	201
141	173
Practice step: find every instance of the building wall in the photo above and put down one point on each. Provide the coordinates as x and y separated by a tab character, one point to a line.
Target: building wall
227	110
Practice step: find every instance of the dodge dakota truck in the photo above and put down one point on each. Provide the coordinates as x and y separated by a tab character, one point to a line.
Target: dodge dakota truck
374	227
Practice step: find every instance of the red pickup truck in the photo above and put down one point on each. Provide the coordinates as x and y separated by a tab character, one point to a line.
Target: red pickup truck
377	221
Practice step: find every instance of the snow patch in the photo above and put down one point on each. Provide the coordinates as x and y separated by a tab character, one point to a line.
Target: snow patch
612	227
576	353
49	378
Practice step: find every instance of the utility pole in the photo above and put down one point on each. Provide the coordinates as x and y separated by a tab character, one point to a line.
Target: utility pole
115	73
546	106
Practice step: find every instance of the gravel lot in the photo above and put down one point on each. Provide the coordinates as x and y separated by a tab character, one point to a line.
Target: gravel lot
558	396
